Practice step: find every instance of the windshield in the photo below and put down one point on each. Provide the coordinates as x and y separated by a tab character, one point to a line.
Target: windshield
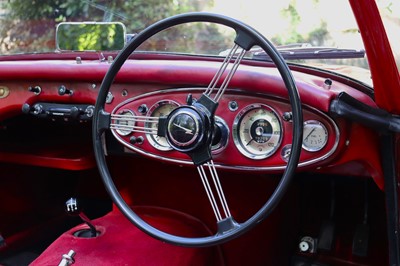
390	13
289	24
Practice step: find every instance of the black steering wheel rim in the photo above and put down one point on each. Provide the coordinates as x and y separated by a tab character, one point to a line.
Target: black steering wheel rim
101	122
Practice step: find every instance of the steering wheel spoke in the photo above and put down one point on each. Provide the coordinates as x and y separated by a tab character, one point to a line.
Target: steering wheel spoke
103	121
236	55
128	123
215	193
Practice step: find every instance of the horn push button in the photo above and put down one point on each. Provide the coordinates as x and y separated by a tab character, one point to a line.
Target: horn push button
184	129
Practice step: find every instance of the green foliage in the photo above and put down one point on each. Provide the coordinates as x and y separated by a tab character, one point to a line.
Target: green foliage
315	37
30	26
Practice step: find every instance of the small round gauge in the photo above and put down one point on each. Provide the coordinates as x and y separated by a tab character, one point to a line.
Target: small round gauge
124	122
257	131
162	108
315	136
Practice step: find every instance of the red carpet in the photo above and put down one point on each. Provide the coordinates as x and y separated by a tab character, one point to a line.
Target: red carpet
121	243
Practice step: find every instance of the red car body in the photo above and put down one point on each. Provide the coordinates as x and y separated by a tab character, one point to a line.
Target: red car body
46	161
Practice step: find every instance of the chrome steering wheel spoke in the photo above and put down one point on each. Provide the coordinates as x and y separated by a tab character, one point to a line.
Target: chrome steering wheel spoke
124	123
243	43
212	186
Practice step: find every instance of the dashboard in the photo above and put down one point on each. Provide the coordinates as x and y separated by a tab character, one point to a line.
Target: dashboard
253	119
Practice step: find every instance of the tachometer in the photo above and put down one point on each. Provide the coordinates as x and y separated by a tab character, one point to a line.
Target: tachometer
315	136
257	131
162	108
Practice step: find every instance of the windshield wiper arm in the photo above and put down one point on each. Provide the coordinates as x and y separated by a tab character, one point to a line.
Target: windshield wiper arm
312	53
108	13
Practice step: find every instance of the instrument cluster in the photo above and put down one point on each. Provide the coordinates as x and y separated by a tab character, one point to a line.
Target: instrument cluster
250	132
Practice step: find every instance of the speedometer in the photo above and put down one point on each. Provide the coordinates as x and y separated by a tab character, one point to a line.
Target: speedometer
162	108
257	131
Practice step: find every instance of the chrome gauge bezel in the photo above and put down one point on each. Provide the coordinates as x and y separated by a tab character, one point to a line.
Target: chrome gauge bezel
159	143
221	145
242	142
130	123
307	134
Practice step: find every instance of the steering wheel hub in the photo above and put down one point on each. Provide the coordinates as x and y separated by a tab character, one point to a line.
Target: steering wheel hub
184	128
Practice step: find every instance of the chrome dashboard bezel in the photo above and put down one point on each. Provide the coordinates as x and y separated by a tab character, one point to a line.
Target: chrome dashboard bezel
126	132
236	135
150	137
313	149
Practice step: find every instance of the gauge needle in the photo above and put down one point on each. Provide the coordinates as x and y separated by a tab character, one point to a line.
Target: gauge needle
187	131
249	142
309	134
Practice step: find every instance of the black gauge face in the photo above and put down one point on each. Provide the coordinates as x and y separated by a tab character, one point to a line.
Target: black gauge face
257	131
261	131
162	108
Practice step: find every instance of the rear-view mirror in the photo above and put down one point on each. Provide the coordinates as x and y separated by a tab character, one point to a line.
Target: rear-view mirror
90	36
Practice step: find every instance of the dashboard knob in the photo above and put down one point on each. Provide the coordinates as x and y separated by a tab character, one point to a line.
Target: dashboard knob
36	90
75	112
62	90
89	111
26	108
37	109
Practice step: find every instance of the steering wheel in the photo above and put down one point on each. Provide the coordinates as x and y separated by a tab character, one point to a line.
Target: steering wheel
189	129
